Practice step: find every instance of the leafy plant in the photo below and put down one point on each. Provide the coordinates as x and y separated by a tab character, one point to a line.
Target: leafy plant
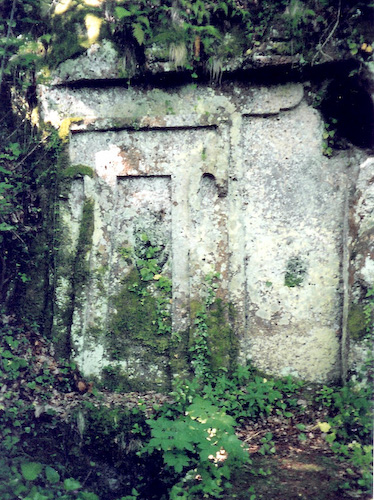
349	426
328	136
267	447
200	352
247	395
198	446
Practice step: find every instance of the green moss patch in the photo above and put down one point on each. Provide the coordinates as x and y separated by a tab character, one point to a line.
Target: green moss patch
135	321
221	340
74	171
114	379
357	322
79	276
295	272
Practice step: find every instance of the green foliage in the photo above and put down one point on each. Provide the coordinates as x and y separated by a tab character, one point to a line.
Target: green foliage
28	185
328	136
247	395
350	431
34	481
356	322
195	34
267	446
144	303
31	470
192	433
212	341
23	32
191	444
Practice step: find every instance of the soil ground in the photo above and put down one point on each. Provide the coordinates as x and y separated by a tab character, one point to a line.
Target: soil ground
299	465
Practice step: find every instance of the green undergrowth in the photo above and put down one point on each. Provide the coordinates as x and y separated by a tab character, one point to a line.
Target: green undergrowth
29	164
196	36
184	448
141	322
349	429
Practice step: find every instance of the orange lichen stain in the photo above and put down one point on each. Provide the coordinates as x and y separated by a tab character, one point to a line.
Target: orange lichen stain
130	161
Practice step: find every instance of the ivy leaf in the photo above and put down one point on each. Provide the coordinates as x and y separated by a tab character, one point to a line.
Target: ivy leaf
47	37
31	470
146	274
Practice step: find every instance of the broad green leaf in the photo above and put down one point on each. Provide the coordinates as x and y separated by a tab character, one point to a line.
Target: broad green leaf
87	495
144	20
176	460
324	426
35	495
224	7
47	37
3	170
71	484
120	13
138	33
31	470
52	475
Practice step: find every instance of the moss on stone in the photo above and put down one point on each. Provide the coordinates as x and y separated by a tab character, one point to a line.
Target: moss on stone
70	32
84	242
222	342
114	379
135	321
357	322
295	272
79	276
74	171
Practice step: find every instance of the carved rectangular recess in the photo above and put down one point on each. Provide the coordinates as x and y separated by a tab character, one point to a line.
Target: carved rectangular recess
143	207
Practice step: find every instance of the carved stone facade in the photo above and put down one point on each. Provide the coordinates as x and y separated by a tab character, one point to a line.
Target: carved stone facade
227	179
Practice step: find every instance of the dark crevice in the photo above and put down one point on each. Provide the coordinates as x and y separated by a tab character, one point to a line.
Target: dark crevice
349	106
266	75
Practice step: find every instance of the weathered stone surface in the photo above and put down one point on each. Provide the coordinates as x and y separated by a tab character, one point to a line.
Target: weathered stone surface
230	180
361	266
100	61
364	223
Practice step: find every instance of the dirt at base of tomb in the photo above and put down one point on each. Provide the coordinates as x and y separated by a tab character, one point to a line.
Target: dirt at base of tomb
295	469
290	456
293	474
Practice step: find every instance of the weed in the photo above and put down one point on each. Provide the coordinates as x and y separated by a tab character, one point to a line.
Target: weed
328	136
198	446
